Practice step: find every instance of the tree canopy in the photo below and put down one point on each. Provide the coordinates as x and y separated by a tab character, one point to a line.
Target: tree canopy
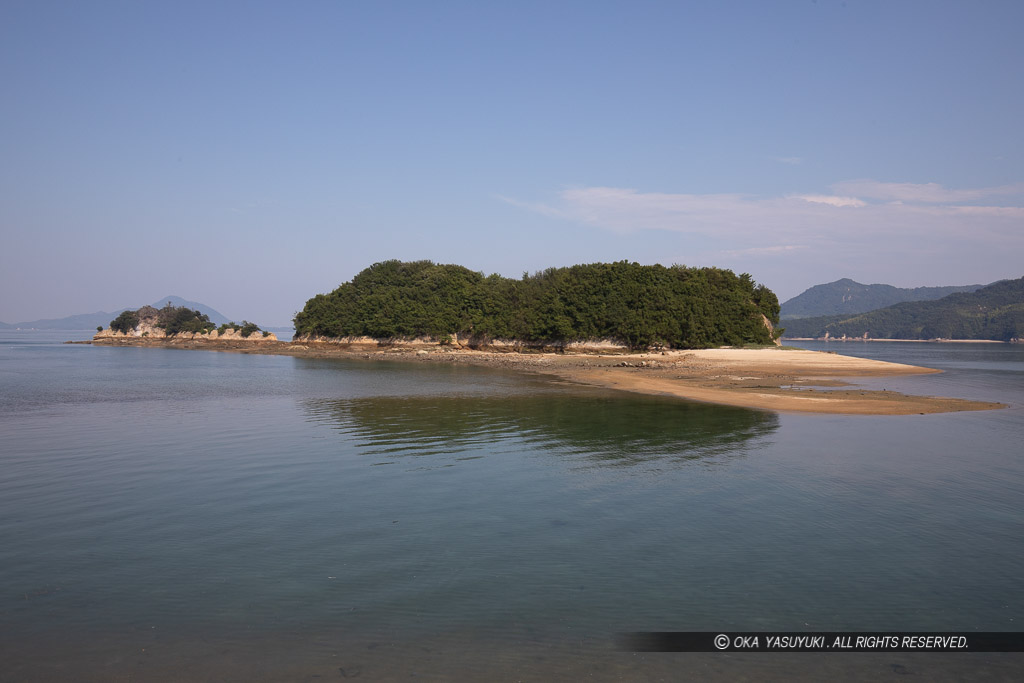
176	319
172	319
641	306
125	322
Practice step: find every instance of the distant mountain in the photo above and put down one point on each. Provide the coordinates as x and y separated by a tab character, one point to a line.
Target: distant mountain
215	317
82	321
90	321
846	297
994	312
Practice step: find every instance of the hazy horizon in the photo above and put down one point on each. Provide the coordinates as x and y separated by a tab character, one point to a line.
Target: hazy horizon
251	155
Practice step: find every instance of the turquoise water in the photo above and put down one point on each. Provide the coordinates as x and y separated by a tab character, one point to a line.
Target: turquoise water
190	515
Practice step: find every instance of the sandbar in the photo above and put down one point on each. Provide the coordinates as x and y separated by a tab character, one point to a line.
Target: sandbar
775	379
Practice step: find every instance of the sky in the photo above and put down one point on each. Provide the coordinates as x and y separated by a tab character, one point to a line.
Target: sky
250	155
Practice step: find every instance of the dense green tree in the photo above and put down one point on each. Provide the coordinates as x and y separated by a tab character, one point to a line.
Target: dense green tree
641	306
125	322
179	319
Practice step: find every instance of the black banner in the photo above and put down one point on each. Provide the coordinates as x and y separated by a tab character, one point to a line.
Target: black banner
821	641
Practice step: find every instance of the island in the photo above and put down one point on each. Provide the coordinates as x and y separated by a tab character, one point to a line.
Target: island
175	324
623	305
702	334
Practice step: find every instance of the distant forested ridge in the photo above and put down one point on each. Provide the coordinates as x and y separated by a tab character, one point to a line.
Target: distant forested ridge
847	297
639	306
994	312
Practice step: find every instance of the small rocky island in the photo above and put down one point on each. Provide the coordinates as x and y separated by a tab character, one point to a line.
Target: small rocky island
176	323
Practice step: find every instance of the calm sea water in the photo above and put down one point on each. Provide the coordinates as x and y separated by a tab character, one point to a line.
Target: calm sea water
176	515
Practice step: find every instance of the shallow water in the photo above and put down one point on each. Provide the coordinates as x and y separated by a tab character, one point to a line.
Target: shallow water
193	515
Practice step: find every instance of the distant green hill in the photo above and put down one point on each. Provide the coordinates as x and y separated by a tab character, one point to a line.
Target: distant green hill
994	312
636	305
846	297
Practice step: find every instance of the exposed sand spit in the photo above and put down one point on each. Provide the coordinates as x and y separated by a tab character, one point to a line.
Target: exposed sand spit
794	380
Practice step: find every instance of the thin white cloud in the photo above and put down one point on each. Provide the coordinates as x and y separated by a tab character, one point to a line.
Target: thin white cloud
777	250
536	207
831	200
792	161
994	211
925	193
750	225
627	210
900	233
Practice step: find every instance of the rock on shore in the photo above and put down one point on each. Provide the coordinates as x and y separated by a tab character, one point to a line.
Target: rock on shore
144	331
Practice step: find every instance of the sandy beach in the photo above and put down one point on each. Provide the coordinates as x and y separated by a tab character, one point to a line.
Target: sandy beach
786	380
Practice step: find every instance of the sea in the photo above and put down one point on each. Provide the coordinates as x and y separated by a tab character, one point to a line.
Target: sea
185	515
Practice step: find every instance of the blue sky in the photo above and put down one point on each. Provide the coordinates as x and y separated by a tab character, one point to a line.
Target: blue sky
252	154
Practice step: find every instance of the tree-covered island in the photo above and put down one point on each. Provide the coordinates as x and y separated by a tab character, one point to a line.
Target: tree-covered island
627	303
177	321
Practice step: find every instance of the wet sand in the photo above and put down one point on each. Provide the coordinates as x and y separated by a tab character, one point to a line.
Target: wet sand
787	380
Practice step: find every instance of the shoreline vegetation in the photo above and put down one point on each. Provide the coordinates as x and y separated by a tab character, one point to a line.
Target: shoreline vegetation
773	378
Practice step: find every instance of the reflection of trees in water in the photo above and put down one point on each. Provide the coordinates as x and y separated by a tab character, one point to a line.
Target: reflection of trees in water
600	430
